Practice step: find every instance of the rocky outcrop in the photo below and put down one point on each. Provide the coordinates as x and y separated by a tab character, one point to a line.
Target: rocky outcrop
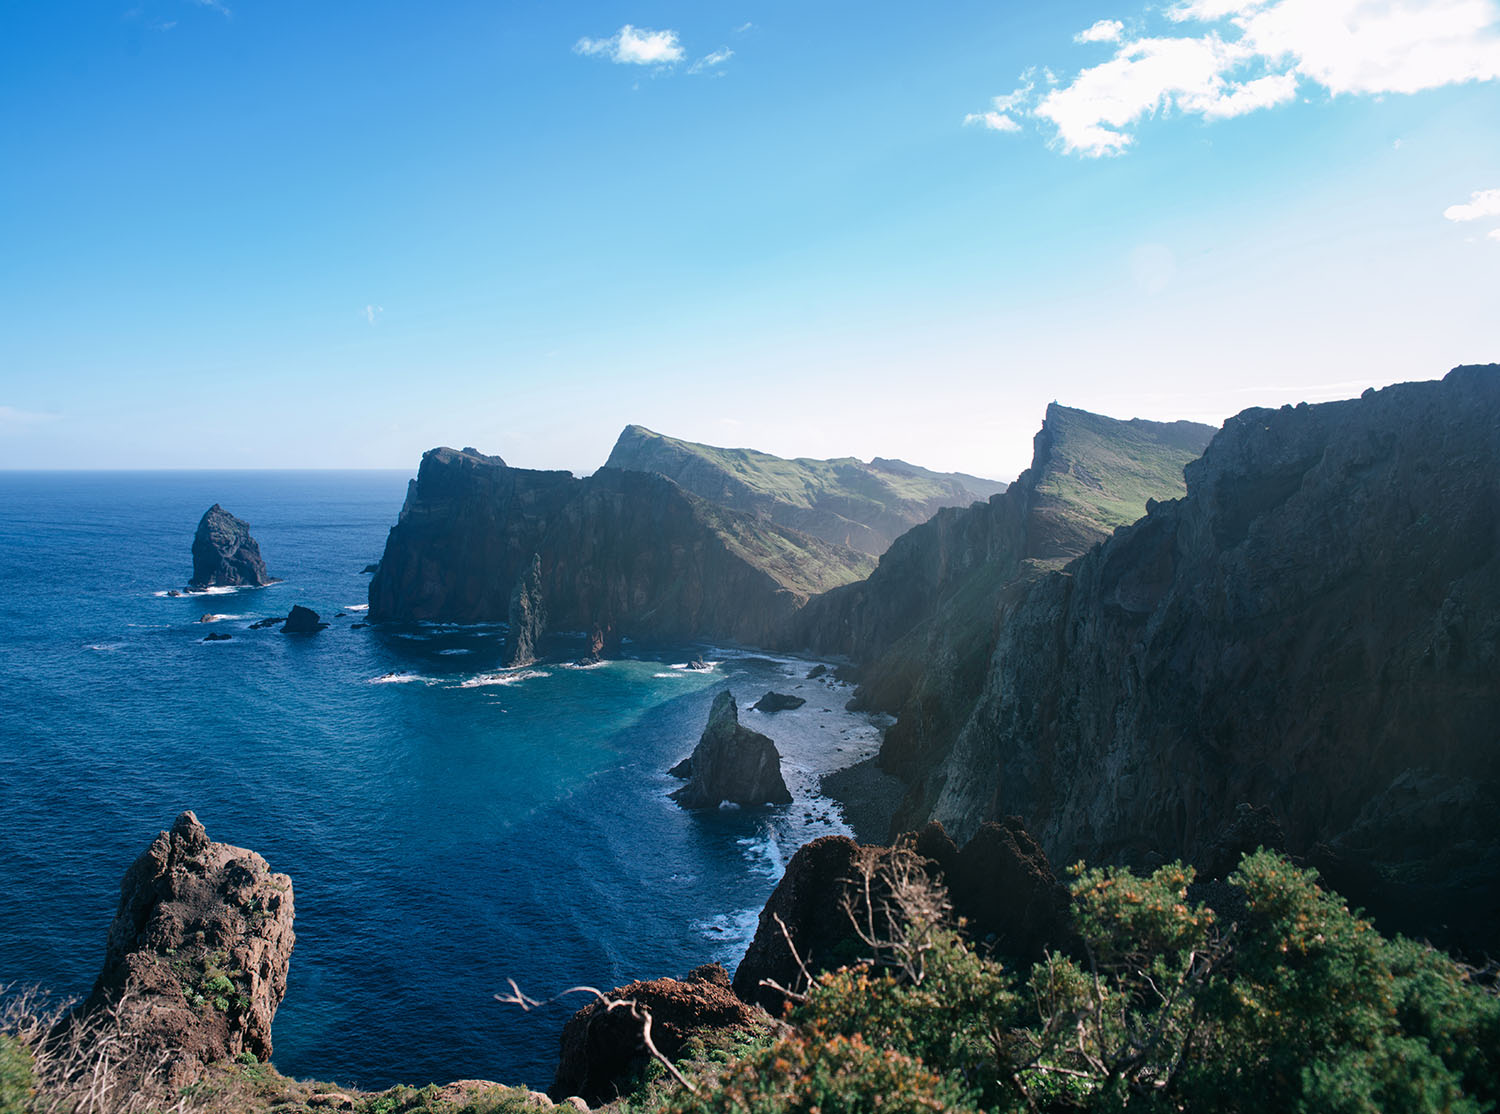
197	957
528	616
630	553
1313	630
302	620
224	553
603	1050
845	502
1000	884
923	625
731	763
778	702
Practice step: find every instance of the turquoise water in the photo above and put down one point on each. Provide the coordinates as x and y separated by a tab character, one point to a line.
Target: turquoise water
445	829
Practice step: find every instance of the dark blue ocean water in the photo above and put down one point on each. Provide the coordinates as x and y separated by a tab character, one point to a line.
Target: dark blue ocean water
443	831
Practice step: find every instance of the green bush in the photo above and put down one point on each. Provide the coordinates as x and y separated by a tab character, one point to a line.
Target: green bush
16	1082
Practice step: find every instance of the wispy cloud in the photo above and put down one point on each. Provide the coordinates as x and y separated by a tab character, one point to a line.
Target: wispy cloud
217	5
1481	204
994	121
634	46
1217	59
1105	31
12	417
742	28
1495	234
711	61
372	313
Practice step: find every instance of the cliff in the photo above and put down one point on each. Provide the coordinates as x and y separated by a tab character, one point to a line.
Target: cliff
628	553
923	625
1313	629
844	502
224	553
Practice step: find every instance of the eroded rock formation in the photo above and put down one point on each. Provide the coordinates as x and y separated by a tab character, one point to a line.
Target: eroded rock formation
528	616
224	553
198	951
730	763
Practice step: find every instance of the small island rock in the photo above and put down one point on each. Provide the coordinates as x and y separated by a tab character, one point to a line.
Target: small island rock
224	553
302	620
778	702
731	763
528	616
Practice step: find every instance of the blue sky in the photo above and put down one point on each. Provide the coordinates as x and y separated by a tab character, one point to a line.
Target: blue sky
282	234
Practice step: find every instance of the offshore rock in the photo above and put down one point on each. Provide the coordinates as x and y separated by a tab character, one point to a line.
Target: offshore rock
224	553
302	620
731	763
197	956
528	616
778	702
602	1049
1313	630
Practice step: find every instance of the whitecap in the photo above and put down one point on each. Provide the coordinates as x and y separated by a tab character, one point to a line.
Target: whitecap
709	666
451	653
399	679
513	677
585	664
105	647
218	618
356	607
764	854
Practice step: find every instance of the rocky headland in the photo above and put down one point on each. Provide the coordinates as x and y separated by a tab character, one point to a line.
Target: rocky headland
1313	629
224	553
845	502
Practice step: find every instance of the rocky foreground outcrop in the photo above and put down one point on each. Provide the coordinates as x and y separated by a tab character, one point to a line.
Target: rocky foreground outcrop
603	1049
224	553
730	763
197	957
1313	630
629	553
1000	883
923	625
527	616
845	501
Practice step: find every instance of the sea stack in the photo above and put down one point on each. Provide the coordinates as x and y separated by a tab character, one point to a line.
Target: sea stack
731	763
198	951
224	553
528	616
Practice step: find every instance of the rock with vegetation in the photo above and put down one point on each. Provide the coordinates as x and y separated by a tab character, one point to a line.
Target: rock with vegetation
731	763
197	956
778	702
224	553
630	553
923	625
1314	629
603	1047
846	501
528	616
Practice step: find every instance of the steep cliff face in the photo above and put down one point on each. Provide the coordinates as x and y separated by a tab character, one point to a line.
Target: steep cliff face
845	502
224	553
1314	628
630	553
924	623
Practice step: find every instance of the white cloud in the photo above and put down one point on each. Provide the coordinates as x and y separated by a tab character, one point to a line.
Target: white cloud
742	28
1482	203
994	121
13	417
372	313
1258	55
636	46
1104	31
1495	234
709	61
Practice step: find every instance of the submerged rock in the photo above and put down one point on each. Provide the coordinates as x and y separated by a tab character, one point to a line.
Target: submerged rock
224	553
262	624
302	620
778	702
528	616
197	956
217	636
602	1049
731	763
816	671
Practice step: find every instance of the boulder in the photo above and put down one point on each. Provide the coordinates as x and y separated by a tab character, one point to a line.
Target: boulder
262	624
216	636
698	665
816	671
302	620
778	702
197	956
224	553
528	616
732	763
370	568
602	1049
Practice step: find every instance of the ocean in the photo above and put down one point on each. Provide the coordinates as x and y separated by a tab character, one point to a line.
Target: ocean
447	825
